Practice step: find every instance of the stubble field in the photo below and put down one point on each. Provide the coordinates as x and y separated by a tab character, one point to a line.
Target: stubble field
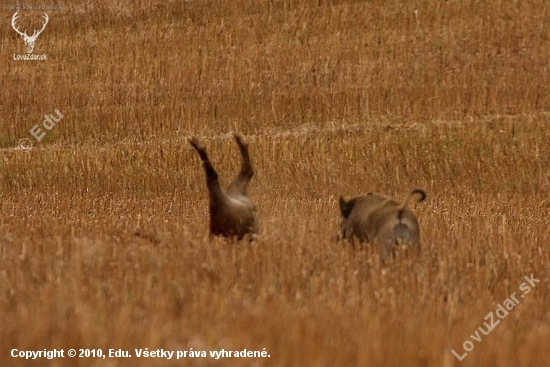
104	222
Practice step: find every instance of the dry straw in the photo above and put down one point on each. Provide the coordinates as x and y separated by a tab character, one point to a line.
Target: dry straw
103	229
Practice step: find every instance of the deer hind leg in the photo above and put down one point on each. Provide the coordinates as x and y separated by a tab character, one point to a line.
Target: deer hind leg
241	181
214	189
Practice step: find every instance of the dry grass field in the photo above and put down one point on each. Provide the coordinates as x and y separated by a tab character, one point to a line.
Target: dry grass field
104	223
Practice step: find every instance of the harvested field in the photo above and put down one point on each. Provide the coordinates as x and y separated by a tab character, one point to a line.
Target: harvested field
104	222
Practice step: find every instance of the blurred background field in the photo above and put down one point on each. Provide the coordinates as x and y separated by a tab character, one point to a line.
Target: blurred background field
104	222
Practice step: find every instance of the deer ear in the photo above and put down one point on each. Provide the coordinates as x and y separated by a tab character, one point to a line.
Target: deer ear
346	207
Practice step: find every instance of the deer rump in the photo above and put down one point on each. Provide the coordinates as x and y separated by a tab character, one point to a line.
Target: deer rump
379	219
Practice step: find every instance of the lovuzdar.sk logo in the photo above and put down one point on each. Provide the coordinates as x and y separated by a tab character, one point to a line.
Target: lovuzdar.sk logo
29	40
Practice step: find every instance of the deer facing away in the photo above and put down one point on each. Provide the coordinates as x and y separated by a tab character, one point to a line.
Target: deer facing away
380	220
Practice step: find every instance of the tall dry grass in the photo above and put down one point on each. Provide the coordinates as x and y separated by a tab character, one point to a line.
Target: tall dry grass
103	225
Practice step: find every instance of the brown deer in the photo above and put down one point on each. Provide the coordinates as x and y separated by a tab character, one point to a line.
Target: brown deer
232	213
380	220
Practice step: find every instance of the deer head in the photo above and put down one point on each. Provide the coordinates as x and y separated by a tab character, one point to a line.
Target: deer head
29	41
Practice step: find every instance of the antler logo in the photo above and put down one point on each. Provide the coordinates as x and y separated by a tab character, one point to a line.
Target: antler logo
29	40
